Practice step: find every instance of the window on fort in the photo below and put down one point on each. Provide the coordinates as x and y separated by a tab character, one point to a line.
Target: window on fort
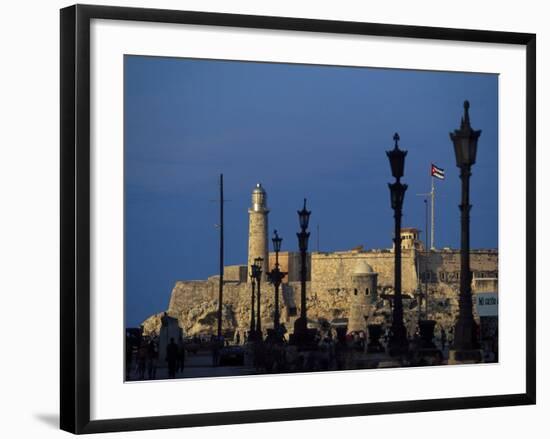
367	291
355	291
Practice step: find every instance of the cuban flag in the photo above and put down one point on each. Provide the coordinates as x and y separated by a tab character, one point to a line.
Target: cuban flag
438	172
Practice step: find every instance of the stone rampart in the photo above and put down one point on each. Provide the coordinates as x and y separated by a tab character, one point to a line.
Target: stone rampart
330	290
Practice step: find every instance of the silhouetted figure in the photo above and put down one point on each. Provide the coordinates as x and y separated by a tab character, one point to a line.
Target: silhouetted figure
357	344
362	339
280	361
172	358
181	355
238	338
129	352
142	360
269	357
152	358
324	353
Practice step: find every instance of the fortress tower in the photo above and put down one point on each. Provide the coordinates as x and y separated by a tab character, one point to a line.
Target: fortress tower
410	238
257	230
364	283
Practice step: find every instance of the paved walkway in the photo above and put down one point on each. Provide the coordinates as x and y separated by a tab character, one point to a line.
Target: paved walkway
198	366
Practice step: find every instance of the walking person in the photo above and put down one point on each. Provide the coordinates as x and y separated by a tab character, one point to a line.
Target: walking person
357	341
152	358
443	338
142	360
324	351
129	354
181	355
172	357
362	339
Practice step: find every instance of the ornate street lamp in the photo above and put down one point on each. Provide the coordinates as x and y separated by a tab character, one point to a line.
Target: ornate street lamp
300	325
303	216
258	263
275	277
277	241
397	159
253	275
465	345
398	341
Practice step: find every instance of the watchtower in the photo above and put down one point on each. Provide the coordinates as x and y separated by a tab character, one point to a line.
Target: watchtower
364	283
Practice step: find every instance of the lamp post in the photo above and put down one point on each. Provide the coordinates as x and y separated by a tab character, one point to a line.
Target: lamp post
464	140
398	342
300	326
258	263
275	277
253	275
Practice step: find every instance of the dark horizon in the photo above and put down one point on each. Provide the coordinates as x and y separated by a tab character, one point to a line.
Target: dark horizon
302	131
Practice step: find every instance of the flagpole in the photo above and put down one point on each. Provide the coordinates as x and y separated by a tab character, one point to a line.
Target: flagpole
432	237
426	250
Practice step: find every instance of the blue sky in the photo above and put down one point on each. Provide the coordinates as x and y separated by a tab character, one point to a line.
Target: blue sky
319	132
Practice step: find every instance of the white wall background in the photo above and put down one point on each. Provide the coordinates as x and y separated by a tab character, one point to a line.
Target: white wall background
29	200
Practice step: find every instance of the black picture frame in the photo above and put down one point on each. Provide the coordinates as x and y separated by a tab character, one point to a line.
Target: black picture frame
75	217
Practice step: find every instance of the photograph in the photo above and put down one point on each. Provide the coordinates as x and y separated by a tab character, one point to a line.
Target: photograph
295	218
275	219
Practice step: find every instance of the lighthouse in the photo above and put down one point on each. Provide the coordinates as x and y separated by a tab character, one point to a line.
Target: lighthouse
257	230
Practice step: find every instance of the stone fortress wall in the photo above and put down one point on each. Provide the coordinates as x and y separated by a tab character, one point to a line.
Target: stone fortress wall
330	269
332	284
330	290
